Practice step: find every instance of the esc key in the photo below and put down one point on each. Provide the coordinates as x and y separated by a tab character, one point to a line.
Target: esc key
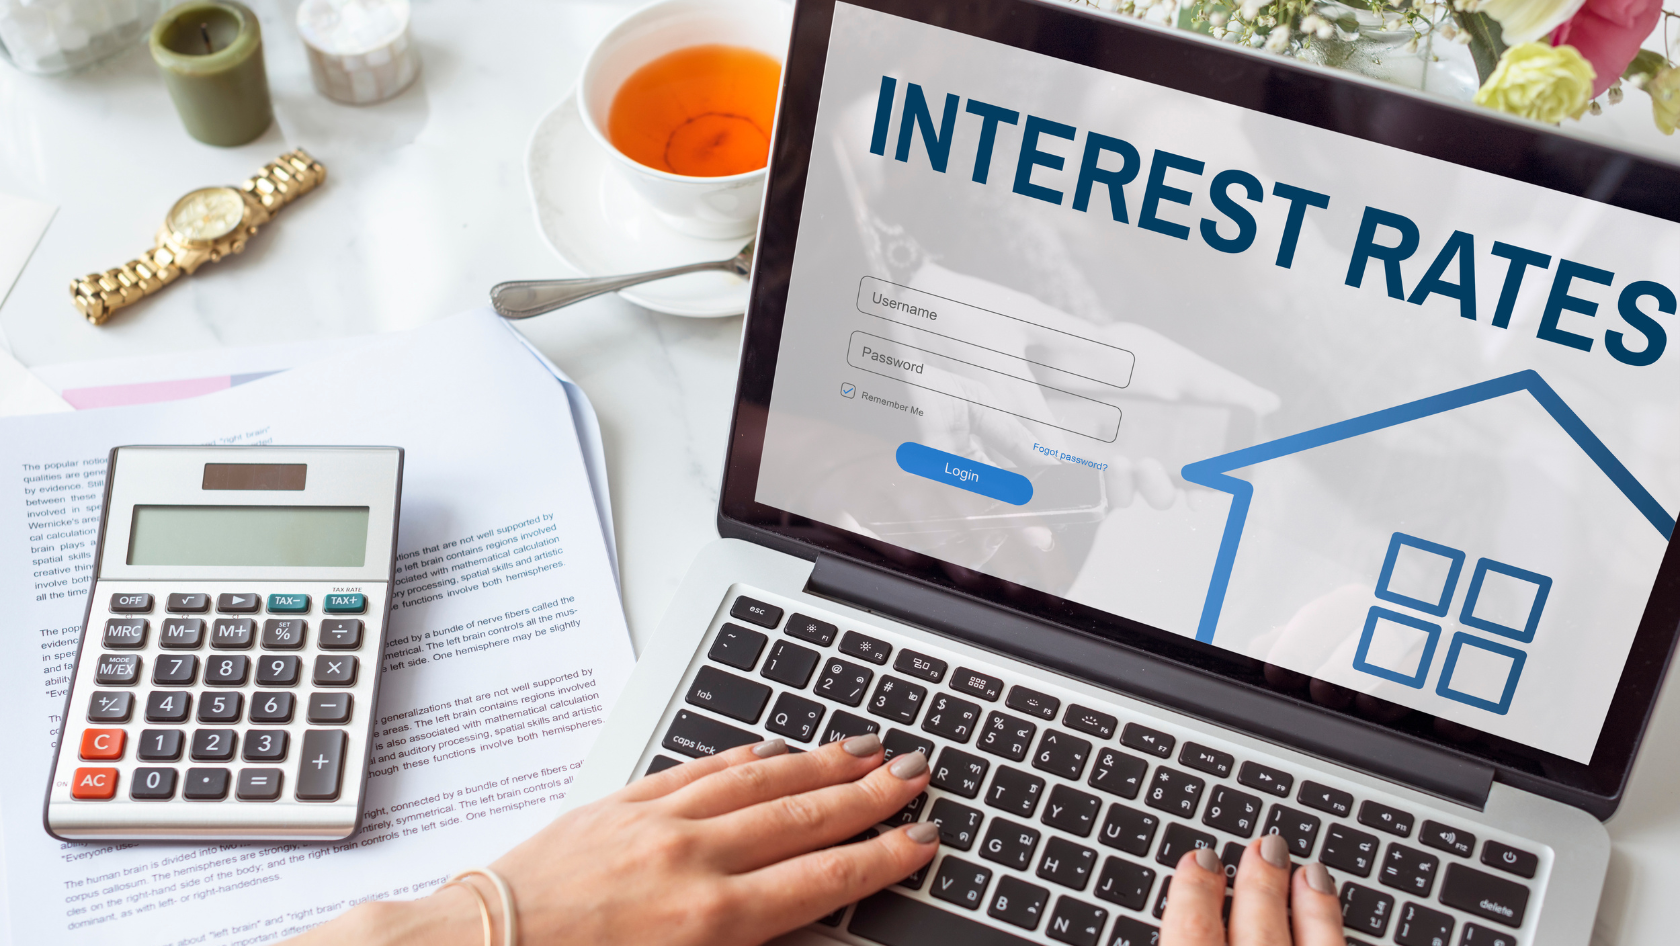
129	603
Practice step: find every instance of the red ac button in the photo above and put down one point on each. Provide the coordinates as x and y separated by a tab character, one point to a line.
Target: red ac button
94	783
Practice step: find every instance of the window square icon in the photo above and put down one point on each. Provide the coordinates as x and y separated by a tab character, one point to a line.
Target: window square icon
1505	600
1397	647
1480	673
1420	574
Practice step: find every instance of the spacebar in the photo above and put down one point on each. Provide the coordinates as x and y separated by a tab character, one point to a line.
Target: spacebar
893	920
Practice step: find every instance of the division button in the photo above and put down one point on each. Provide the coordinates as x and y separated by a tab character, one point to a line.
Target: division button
920	666
735	646
340	634
756	612
206	785
93	784
1509	859
131	603
235	604
259	784
344	604
320	764
188	603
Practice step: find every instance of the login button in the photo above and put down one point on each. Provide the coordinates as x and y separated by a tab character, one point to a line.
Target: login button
948	468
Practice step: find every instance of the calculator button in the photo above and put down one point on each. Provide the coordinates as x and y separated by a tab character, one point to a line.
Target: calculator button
320	765
272	707
288	604
235	604
220	707
159	745
94	784
131	603
103	745
265	745
152	785
284	633
163	706
258	784
181	633
174	670
188	603
332	670
225	670
125	632
107	706
344	604
206	785
275	670
117	670
342	634
328	707
214	745
233	633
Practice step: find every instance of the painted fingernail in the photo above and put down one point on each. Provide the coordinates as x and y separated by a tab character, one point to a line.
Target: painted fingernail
765	750
1275	850
1319	879
865	745
1207	860
908	766
923	832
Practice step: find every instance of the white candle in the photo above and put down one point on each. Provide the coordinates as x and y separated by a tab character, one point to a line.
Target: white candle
359	50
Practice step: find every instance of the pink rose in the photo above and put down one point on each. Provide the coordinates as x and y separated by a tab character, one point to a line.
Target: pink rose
1608	33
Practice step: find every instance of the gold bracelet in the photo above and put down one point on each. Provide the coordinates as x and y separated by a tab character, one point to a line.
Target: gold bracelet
483	905
510	923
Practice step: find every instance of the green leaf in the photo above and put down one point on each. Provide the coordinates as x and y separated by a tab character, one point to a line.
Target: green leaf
1487	42
1645	65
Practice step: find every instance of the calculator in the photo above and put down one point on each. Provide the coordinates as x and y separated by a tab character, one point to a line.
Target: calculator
225	683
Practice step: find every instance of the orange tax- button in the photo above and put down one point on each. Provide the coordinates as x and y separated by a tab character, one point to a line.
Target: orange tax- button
101	744
94	783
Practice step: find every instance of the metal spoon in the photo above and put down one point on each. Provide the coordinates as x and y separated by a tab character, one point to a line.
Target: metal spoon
525	298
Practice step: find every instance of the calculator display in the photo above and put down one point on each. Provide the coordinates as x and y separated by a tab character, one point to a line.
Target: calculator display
302	536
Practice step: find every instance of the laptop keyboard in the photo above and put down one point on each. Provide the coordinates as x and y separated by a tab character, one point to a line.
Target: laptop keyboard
1060	817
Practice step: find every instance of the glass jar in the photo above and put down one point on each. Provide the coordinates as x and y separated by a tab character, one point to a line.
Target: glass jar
48	37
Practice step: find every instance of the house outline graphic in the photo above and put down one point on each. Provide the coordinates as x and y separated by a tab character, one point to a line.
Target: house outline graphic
1215	472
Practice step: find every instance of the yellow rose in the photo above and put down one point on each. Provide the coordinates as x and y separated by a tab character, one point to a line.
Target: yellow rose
1539	81
1664	88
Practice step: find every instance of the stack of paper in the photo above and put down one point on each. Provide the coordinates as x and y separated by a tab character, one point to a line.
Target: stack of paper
506	645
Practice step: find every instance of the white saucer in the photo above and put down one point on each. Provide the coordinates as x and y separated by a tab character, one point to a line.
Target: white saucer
599	226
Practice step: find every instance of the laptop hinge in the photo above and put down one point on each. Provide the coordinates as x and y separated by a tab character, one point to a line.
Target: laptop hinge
1135	673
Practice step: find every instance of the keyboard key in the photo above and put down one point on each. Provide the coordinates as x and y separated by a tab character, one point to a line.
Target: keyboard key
117	670
329	708
920	666
103	745
961	883
805	628
1015	791
1421	926
126	632
320	764
757	612
1009	844
1180	838
690	734
1231	856
1265	779
1202	759
274	707
265	745
1006	736
975	683
952	718
188	603
160	745
110	706
1350	851
181	633
333	670
206	784
1296	827
1232	812
91	784
1018	903
898	699
233	633
236	604
660	763
340	634
1130	932
795	717
172	670
220	707
279	670
288	604
1483	936
1117	773
1067	863
843	725
1365	910
1062	754
259	784
1175	792
897	742
1383	818
284	633
1509	859
166	707
1075	922
910	813
959	772
915	881
958	824
213	745
1484	895
1089	721
151	784
1125	882
1161	899
1324	798
343	603
131	603
1410	870
1148	741
1071	810
1442	838
1032	702
865	647
226	670
1129	830
791	665
894	920
725	693
737	647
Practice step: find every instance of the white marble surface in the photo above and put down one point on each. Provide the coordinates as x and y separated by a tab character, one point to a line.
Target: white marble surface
425	208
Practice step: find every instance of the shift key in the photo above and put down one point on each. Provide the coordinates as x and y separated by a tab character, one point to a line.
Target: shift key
728	694
1485	895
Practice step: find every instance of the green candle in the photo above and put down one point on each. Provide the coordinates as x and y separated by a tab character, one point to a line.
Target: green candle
210	52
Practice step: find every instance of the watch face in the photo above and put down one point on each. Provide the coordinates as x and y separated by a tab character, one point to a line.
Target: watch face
206	214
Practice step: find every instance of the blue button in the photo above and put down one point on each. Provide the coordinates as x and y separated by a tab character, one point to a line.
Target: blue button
948	468
288	604
345	604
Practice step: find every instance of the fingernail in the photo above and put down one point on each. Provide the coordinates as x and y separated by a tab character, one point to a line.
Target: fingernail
865	745
909	766
1207	860
1275	850
923	832
1319	879
765	750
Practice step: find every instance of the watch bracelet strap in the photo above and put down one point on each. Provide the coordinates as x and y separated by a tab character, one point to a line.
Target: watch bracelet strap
285	179
97	295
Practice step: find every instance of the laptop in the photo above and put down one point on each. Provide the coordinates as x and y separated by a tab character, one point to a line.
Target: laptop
1179	443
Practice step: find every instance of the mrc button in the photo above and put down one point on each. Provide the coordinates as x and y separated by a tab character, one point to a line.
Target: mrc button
125	632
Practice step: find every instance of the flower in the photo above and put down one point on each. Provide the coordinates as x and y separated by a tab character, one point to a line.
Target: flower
1664	88
1523	21
1608	33
1538	81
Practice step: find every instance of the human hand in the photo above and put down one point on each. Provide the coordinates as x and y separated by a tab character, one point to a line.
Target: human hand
728	850
1269	907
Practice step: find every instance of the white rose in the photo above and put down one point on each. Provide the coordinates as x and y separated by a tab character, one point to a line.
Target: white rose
1523	21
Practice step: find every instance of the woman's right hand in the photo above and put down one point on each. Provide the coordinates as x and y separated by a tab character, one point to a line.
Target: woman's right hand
1266	889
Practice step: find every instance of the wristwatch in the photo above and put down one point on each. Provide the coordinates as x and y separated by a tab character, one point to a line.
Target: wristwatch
203	226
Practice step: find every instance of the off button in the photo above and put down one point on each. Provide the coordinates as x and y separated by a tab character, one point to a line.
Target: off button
963	473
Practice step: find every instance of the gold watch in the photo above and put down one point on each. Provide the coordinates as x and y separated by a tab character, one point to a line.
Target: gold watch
203	226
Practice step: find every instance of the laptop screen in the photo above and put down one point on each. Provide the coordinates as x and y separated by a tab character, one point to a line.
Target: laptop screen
1401	427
